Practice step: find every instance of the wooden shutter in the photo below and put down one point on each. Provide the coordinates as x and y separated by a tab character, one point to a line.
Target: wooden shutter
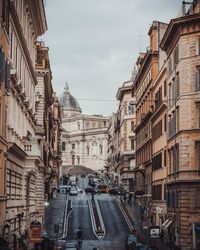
197	80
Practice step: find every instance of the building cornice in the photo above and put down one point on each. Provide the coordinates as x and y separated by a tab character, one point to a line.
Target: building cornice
23	43
158	112
173	28
16	150
145	64
38	16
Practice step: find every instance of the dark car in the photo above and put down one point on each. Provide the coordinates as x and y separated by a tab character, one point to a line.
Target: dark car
113	191
132	243
89	190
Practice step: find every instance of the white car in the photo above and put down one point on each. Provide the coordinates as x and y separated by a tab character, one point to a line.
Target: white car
73	191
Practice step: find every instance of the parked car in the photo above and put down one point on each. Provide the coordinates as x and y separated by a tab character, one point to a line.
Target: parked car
113	191
80	190
73	191
132	243
101	188
89	190
73	183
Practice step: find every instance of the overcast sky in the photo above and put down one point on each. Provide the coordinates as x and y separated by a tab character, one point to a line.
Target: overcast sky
93	45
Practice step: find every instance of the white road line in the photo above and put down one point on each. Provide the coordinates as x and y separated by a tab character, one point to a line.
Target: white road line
92	219
100	218
65	226
125	216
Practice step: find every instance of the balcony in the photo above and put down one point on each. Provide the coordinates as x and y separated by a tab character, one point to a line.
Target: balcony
32	149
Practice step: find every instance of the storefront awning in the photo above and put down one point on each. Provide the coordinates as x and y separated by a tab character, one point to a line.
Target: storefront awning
167	223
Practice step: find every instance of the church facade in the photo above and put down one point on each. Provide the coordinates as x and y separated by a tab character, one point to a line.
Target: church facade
84	137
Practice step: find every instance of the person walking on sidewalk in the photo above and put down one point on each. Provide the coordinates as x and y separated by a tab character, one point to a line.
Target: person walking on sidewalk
130	196
124	196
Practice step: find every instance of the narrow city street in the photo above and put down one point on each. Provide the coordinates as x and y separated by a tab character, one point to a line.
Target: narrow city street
115	225
116	228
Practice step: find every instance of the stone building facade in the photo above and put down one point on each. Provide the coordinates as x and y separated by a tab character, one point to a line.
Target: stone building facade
159	147
4	89
126	110
26	22
47	129
181	43
84	137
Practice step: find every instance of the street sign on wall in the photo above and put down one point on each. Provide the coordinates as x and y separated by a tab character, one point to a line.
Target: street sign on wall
154	232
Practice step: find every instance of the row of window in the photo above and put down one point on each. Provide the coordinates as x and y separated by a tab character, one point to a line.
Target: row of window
144	85
14	185
144	134
174	89
173	61
92	125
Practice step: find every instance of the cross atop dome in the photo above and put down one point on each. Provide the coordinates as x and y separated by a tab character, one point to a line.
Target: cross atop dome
66	89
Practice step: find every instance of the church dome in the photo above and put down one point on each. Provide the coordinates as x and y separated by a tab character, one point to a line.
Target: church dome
68	101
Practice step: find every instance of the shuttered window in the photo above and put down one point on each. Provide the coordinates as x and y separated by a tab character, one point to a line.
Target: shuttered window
176	56
199	45
165	88
165	158
197	80
165	122
63	146
157	192
157	130
198	198
198	155
157	162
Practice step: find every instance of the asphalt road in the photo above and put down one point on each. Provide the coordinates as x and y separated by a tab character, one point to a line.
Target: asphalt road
115	224
80	216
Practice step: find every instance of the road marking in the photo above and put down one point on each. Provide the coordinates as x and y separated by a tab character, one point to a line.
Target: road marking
99	236
125	216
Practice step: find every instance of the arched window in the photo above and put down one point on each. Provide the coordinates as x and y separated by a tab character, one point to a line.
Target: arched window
63	146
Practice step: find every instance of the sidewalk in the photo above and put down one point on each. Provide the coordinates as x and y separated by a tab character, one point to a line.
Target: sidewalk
133	211
54	214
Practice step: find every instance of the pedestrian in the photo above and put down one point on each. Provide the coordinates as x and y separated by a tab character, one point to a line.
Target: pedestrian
124	197
130	196
142	211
